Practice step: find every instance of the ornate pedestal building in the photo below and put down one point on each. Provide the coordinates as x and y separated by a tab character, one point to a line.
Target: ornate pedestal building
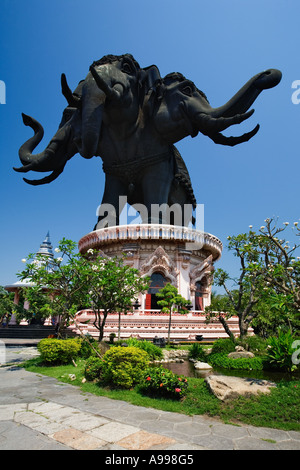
181	256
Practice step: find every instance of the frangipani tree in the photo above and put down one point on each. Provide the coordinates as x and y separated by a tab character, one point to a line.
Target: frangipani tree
269	278
170	299
75	281
113	289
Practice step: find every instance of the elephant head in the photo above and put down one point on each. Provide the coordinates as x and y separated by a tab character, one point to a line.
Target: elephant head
110	92
181	109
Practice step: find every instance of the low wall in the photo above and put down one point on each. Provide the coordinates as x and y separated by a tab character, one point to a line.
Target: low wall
147	324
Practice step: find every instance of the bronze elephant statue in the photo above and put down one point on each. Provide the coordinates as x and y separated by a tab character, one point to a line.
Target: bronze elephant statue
131	117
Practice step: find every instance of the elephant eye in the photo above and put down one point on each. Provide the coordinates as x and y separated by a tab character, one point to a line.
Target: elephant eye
187	90
127	68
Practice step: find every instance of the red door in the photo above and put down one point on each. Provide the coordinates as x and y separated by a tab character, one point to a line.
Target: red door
148	302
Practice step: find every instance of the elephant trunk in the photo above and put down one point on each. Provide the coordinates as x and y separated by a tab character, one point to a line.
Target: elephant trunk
244	98
25	151
93	100
53	158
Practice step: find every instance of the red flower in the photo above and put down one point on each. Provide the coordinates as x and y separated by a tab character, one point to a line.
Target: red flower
148	378
177	390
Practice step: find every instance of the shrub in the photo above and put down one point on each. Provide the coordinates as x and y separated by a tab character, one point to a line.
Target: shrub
55	351
161	382
254	343
93	368
88	347
153	351
240	363
280	351
196	351
124	367
223	345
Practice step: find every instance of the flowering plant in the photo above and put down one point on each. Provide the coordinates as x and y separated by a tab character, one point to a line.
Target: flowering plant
161	382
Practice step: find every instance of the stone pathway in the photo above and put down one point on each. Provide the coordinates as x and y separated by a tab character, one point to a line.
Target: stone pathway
40	413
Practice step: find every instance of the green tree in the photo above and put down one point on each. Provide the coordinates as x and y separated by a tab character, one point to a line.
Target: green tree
8	307
40	305
74	281
62	280
279	266
244	293
170	299
268	284
112	289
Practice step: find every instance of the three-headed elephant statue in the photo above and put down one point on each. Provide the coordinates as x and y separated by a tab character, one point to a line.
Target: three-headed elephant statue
131	117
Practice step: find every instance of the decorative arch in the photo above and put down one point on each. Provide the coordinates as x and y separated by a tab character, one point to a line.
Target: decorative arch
159	261
157	282
200	281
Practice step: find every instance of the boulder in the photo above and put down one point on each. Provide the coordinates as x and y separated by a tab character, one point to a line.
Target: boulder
228	387
237	354
202	365
175	355
240	352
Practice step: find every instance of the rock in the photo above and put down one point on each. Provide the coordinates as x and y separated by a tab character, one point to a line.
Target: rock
240	352
202	365
237	354
226	387
173	355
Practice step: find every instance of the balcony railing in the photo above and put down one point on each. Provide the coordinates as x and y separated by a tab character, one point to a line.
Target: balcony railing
151	232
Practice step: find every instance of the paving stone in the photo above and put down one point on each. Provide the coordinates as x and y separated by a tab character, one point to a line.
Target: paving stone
250	443
213	442
175	417
141	415
184	446
84	422
7	412
143	440
77	439
44	407
229	431
294	435
189	429
289	445
50	427
30	419
62	413
19	437
268	433
113	432
115	414
157	426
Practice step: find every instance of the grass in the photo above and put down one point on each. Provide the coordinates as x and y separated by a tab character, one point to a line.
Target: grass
280	409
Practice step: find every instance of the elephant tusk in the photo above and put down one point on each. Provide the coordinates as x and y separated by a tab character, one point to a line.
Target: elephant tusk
72	100
231	141
47	179
220	124
111	93
24	169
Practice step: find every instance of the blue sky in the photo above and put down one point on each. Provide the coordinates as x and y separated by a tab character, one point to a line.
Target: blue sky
217	44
